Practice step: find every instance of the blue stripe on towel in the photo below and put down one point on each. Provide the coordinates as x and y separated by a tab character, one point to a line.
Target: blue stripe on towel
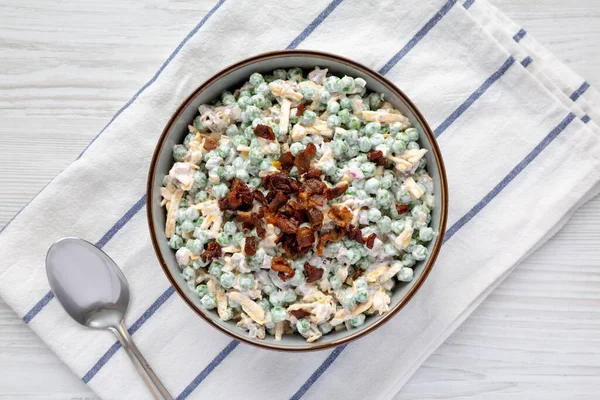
526	61
581	90
586	118
508	178
313	25
322	368
468	4
209	368
132	329
474	96
455	228
417	38
520	35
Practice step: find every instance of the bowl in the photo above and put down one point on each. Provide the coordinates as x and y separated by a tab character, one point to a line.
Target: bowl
233	77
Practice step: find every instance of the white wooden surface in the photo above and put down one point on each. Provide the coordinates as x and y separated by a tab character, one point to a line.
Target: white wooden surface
66	67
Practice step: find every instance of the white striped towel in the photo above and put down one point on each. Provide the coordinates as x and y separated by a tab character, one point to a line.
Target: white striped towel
521	147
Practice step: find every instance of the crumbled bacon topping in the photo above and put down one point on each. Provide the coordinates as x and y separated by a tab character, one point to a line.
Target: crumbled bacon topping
313	173
279	200
300	110
334	235
355	234
313	186
210	144
305	237
259	196
370	240
377	157
250	246
264	131
213	250
401	208
283	268
302	160
315	217
313	274
286	161
239	198
358	272
280	182
341	215
336	191
299	314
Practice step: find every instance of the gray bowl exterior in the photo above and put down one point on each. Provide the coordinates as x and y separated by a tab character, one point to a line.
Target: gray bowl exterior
233	78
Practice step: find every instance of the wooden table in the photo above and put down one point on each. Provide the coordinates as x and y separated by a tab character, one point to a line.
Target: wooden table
66	67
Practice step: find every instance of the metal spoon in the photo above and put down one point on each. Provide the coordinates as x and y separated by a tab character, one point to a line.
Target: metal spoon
94	292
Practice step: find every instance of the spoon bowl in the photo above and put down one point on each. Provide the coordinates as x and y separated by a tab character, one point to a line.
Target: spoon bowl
87	283
94	292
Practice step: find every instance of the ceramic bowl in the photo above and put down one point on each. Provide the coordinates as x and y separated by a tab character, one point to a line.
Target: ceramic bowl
233	77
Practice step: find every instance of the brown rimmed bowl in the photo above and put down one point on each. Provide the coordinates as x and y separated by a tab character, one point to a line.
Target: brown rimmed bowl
233	77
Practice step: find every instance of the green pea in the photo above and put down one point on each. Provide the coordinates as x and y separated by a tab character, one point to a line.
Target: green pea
179	152
209	301
358	320
256	79
280	74
302	325
227	280
175	242
364	144
201	290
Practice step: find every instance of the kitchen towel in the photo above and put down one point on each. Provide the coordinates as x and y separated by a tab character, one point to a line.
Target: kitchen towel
522	151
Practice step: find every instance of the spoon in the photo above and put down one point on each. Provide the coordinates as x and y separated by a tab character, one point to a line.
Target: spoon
94	292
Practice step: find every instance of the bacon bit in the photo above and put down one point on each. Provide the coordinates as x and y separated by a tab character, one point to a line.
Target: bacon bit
279	200
300	110
313	274
313	173
280	182
341	215
316	200
210	144
259	196
250	246
401	208
283	268
315	217
355	234
334	235
260	229
302	160
377	157
290	246
239	197
357	273
286	161
286	225
305	237
213	250
264	131
336	191
300	215
313	186
244	216
299	314
370	241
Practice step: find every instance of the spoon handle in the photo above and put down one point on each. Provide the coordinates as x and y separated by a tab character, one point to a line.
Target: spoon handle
156	387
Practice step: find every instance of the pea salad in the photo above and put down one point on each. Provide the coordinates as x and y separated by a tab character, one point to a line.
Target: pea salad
297	203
